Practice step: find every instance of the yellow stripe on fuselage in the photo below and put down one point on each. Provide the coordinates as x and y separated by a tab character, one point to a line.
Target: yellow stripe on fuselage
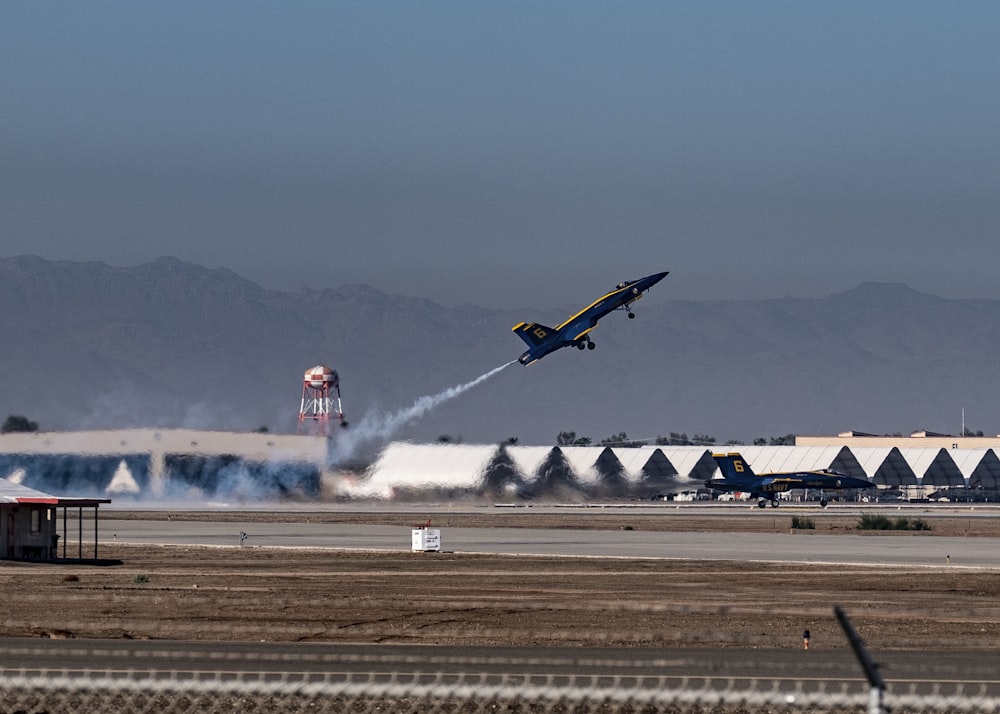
590	306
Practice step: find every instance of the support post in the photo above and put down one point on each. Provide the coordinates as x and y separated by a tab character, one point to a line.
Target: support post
869	665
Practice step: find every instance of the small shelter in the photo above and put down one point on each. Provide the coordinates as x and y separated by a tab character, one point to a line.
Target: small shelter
29	523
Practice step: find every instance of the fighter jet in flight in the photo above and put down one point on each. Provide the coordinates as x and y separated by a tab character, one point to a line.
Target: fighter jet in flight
575	332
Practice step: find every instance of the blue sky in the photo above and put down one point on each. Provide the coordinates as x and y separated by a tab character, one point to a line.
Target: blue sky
511	153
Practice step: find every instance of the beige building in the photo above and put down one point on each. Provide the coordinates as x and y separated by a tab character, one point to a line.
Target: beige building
916	440
147	459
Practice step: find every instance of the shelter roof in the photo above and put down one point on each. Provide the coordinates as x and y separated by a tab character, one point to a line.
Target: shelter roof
529	458
405	465
14	493
402	464
967	460
633	460
920	460
684	458
583	460
871	458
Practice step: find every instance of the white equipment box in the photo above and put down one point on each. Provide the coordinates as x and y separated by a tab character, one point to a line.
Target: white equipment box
426	539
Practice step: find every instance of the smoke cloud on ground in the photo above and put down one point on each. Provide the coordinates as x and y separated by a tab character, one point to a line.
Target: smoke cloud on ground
218	476
375	428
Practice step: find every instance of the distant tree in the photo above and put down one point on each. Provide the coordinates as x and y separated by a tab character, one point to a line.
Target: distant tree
510	441
15	423
969	432
703	439
760	441
621	440
569	438
262	430
786	440
734	442
675	439
446	439
614	440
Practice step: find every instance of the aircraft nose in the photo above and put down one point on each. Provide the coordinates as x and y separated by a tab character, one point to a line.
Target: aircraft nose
651	280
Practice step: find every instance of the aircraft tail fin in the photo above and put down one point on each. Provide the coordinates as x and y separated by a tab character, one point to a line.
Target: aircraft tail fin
733	466
533	333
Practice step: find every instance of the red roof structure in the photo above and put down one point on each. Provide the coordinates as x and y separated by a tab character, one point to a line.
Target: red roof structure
29	517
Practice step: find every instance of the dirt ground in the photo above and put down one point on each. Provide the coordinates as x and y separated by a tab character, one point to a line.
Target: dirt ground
253	593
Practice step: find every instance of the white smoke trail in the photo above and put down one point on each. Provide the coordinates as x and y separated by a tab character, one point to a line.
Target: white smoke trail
380	426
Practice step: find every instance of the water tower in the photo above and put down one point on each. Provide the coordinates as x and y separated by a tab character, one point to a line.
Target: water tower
320	401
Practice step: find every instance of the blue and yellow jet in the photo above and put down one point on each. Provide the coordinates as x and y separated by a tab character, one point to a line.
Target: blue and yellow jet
738	476
575	332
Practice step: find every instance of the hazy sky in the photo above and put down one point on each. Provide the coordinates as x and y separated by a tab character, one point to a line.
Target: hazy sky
510	153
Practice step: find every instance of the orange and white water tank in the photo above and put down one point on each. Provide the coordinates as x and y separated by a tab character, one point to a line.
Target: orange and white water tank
322	377
320	402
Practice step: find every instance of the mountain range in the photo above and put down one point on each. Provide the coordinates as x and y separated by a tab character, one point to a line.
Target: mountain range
84	345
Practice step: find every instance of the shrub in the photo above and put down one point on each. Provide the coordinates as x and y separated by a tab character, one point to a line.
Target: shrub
877	522
140	578
803	523
874	522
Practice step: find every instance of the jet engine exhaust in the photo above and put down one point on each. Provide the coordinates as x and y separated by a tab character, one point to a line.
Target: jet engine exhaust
380	426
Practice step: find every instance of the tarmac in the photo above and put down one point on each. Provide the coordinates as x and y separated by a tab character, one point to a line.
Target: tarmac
884	549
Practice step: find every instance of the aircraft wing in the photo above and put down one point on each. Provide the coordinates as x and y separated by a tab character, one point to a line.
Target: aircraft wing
831	480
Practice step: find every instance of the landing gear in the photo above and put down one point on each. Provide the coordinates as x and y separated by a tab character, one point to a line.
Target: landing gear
585	345
581	345
823	503
762	503
590	345
631	315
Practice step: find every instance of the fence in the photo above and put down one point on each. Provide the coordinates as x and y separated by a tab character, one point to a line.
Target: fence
34	691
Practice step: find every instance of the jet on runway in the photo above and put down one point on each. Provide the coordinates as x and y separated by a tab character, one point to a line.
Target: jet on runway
575	332
738	476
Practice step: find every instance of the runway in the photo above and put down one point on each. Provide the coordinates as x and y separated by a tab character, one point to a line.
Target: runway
793	546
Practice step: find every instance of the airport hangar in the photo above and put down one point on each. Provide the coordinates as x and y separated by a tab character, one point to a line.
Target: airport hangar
159	463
